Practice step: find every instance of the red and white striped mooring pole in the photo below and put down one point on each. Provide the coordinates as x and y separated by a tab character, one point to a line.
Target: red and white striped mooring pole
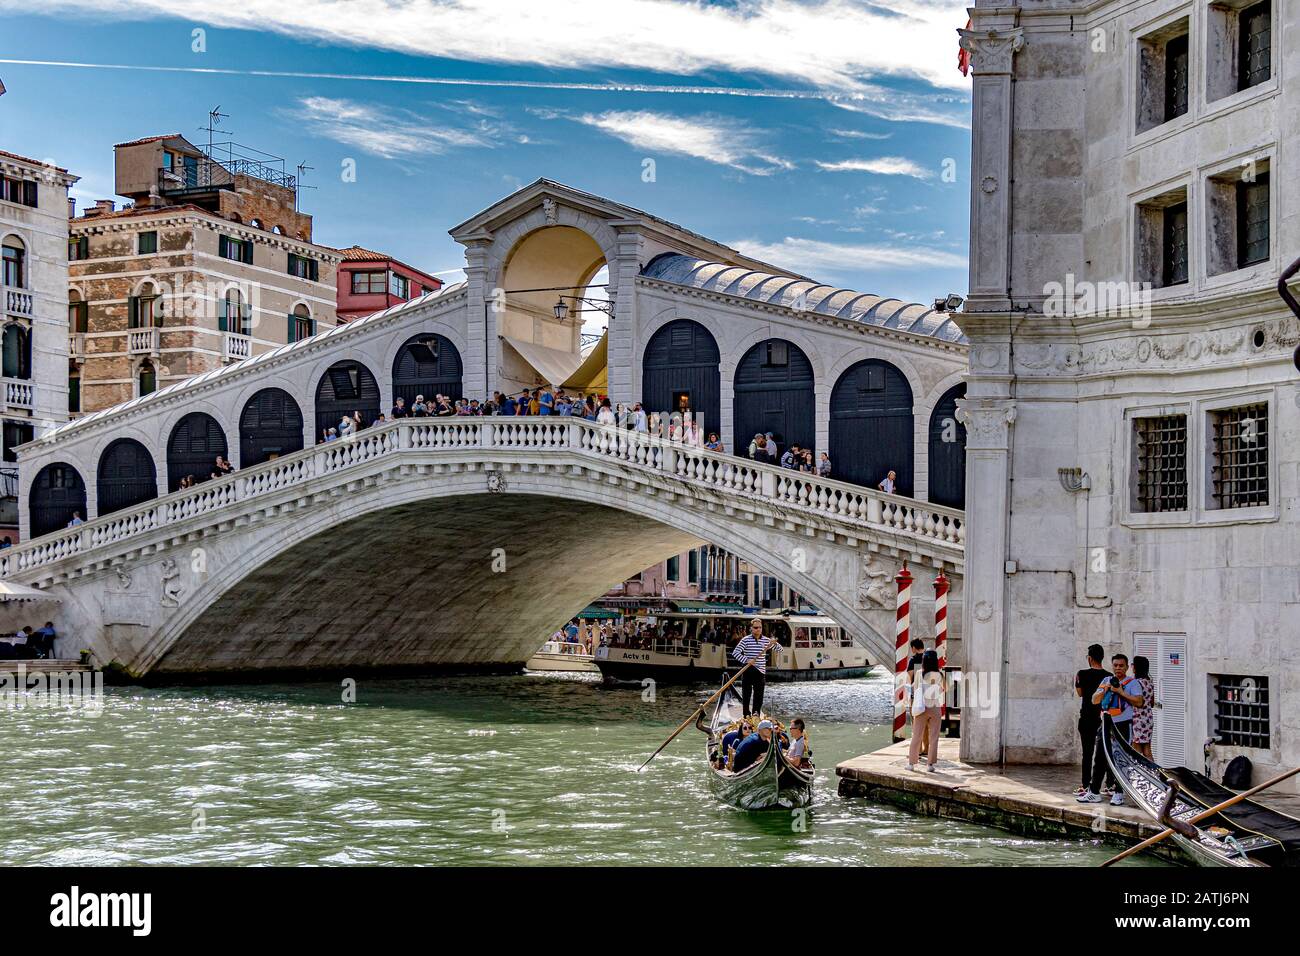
941	630
904	581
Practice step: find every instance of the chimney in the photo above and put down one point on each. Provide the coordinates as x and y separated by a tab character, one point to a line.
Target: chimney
72	208
101	206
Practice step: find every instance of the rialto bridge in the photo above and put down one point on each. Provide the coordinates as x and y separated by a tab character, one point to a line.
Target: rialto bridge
464	541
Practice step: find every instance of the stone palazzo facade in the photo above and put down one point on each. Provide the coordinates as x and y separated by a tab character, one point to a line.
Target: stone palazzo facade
1133	468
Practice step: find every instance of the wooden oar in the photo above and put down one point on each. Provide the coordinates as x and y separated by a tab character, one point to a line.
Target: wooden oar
1203	814
695	713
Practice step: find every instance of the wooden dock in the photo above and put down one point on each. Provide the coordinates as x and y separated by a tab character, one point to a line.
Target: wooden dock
1031	800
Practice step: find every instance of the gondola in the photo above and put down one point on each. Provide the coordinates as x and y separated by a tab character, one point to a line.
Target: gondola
771	782
1244	835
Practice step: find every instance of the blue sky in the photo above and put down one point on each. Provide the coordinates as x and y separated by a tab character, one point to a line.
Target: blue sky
839	150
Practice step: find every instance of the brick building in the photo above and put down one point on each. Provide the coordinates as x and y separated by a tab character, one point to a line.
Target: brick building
211	263
370	281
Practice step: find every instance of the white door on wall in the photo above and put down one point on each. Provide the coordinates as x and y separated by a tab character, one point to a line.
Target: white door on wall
1168	656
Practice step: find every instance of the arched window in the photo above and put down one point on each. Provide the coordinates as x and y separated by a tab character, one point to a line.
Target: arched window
269	426
277	230
680	372
255	223
193	447
345	388
142	308
147	378
871	425
57	493
948	451
427	364
774	393
17	352
234	313
301	324
14	273
126	476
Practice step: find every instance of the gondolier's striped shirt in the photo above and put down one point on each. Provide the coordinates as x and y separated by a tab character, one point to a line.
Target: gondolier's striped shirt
749	648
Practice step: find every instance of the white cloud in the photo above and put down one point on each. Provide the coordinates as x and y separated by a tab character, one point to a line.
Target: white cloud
881	166
813	257
388	133
829	44
858	134
711	138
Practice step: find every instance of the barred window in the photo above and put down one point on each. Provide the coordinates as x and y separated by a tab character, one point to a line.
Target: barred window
1241	711
1252	221
1239	446
1161	463
1255	39
1176	60
1174	246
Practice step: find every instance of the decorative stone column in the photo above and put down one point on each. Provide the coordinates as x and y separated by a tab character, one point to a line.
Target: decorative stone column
992	52
480	322
624	377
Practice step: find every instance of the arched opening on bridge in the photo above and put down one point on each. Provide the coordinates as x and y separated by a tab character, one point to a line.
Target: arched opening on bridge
948	451
347	387
871	425
427	364
193	447
547	279
126	476
57	494
774	393
679	372
269	426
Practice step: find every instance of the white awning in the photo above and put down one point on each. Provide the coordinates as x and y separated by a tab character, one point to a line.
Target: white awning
13	591
552	365
592	371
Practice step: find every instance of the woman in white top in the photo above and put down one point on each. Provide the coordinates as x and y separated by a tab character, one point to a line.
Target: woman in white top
346	426
606	414
887	485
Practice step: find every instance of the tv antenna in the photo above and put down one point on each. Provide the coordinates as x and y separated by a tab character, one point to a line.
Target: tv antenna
215	116
303	169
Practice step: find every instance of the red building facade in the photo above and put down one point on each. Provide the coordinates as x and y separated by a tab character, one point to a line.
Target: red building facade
369	281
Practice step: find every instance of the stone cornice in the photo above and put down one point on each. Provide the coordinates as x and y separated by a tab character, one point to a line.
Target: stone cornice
93	227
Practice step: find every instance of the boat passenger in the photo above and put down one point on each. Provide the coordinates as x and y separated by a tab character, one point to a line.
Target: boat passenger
753	747
797	752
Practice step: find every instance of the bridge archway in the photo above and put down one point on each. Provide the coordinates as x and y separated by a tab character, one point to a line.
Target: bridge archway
775	392
947	458
126	476
680	369
272	600
270	425
345	387
193	447
58	491
427	364
871	426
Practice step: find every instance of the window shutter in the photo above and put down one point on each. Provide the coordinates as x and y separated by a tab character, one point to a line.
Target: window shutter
132	312
223	246
313	326
29	193
223	323
293	328
289	264
248	251
83	247
314	267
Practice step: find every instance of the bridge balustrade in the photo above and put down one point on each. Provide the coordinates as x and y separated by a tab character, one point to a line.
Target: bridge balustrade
807	493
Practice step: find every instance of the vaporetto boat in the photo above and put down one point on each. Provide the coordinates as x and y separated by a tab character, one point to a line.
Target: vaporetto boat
810	647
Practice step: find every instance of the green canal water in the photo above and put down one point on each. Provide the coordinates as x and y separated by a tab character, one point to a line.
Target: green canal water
493	770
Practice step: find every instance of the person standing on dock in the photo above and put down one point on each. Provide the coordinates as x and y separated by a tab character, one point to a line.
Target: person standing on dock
1117	694
928	690
753	647
1085	685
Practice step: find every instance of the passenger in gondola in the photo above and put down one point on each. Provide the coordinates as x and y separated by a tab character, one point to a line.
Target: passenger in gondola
797	751
753	747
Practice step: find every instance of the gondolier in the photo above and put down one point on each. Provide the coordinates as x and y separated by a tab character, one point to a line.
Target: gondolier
753	647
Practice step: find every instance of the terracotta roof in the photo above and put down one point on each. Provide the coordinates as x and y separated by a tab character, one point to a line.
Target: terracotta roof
144	211
28	159
149	139
358	254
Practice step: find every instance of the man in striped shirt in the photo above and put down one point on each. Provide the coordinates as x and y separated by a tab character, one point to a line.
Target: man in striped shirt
753	647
